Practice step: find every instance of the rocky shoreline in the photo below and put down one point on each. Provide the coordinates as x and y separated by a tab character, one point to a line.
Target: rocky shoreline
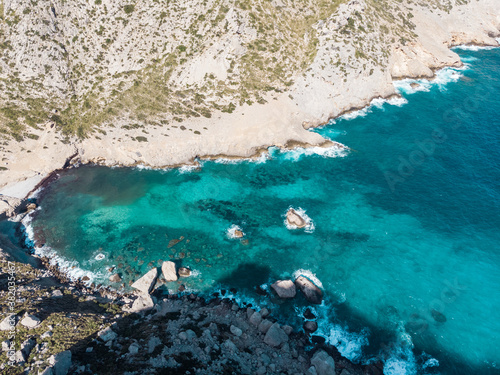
153	332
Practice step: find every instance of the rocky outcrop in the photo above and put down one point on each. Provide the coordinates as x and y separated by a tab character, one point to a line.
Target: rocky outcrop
294	219
169	271
312	293
284	288
115	278
146	283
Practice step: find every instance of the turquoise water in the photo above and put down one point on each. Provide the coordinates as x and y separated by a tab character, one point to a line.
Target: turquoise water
405	236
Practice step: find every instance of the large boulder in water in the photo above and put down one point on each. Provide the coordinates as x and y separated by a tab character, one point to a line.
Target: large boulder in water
284	288
169	271
146	283
312	293
293	218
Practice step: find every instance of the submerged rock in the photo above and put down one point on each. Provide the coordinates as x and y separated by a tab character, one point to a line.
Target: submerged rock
312	293
438	317
146	283
293	218
169	272
284	288
115	278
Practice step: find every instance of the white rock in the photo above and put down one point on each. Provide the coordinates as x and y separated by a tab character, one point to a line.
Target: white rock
284	288
143	303
30	321
146	283
107	334
169	271
8	323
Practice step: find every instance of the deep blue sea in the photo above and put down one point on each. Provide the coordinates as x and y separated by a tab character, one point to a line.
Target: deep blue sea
404	236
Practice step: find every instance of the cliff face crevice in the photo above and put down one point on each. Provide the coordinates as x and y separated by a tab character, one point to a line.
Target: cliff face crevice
159	83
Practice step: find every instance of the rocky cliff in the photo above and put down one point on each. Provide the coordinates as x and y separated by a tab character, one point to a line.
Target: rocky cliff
159	83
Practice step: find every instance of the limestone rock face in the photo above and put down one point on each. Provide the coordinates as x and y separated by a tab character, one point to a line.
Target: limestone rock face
312	293
275	336
323	363
146	283
61	362
169	272
293	218
284	288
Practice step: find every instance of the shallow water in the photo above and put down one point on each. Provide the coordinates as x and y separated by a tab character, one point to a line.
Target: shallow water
405	235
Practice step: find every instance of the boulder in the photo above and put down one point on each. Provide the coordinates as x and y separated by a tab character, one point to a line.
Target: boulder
293	218
184	272
323	363
238	233
310	326
30	321
312	293
236	331
57	293
255	318
284	288
275	336
61	362
8	323
115	278
169	272
107	334
146	283
265	325
27	346
143	303
133	349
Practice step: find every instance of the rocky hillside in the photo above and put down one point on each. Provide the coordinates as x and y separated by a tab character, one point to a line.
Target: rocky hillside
154	62
53	326
161	83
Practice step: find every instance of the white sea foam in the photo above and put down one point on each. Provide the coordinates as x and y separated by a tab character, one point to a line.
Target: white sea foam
349	344
467	47
231	232
326	152
100	256
441	79
309	228
188	168
310	275
377	103
71	268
